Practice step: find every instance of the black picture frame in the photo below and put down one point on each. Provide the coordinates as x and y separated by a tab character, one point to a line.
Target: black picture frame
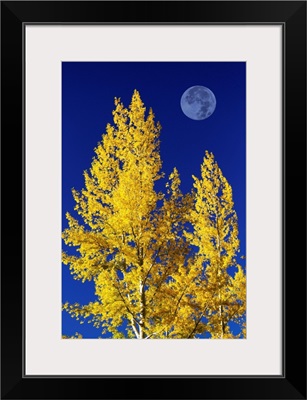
292	16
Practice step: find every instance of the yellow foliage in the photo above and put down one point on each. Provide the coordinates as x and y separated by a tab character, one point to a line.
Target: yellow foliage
216	236
138	246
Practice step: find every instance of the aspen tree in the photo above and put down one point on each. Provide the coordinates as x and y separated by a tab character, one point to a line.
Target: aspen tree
159	262
215	234
125	244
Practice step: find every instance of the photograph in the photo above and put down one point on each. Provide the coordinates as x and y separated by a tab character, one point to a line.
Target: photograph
162	151
154	200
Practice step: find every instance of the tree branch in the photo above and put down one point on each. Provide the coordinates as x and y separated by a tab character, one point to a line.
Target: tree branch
128	309
179	300
154	333
197	323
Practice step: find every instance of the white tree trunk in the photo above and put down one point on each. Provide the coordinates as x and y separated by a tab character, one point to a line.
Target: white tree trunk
142	311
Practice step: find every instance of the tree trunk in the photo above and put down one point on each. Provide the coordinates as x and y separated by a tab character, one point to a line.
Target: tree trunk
221	321
219	274
142	311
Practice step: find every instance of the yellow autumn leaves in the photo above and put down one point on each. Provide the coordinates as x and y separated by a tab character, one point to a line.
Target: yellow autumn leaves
159	261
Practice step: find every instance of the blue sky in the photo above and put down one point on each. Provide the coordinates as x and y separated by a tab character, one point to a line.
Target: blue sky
88	91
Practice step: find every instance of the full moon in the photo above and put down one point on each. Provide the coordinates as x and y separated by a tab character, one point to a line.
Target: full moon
198	102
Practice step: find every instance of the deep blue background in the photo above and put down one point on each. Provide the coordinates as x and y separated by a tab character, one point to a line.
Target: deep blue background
88	91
